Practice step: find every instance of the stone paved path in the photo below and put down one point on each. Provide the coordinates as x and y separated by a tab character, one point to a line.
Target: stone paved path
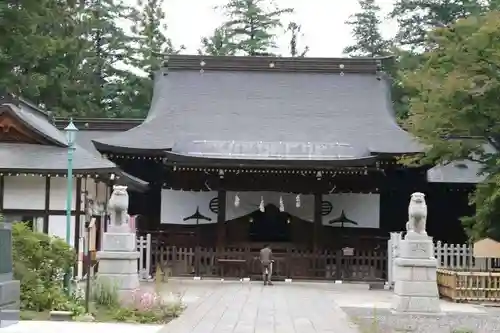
253	308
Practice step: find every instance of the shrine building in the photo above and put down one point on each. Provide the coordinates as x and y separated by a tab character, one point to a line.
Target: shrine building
237	152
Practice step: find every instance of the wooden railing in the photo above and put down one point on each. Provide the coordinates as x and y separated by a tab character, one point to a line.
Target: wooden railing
469	286
344	264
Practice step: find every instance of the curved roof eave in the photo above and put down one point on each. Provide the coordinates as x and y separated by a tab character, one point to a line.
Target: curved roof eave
295	163
104	148
134	183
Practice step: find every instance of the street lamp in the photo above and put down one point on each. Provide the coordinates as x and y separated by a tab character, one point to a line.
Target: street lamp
70	132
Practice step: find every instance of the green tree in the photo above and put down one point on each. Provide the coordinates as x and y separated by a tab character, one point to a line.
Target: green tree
218	44
366	32
417	17
295	31
153	42
456	96
107	48
253	25
37	48
152	45
62	55
404	61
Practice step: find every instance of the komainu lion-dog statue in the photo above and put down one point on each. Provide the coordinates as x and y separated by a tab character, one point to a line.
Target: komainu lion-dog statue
417	214
118	206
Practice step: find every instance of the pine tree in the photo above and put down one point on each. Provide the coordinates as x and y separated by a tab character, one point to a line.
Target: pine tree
295	33
152	46
106	46
366	32
219	44
252	25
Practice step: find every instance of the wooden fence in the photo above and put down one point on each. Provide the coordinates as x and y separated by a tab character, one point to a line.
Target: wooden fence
144	262
344	264
469	286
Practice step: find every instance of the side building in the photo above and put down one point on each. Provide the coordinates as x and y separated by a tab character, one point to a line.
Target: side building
33	173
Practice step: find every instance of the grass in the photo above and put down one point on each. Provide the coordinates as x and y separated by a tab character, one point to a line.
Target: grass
33	315
101	314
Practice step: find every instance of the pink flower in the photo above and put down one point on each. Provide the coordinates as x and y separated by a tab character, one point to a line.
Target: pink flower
144	301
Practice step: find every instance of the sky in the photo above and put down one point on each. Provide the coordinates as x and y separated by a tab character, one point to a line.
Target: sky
323	23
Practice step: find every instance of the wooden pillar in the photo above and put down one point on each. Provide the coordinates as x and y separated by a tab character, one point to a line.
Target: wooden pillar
317	241
78	214
109	190
46	206
2	186
221	218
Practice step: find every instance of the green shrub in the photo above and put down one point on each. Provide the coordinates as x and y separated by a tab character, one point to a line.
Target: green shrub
39	263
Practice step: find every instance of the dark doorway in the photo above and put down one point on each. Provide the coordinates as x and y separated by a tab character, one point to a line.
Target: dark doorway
270	225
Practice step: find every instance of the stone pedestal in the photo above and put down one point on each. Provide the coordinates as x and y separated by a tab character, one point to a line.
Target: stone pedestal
118	261
10	292
9	301
415	285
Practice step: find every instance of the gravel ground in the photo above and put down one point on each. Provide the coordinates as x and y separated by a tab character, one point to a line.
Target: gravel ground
386	322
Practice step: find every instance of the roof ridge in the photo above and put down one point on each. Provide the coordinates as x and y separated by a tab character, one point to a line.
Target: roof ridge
274	64
34	107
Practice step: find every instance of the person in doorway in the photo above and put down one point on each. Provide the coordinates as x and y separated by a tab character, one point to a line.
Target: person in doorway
266	261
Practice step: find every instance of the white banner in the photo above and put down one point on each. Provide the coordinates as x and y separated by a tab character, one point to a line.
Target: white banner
185	207
355	210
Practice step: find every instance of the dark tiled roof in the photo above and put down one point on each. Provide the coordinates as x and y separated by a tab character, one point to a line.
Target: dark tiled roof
49	157
459	172
39	122
133	183
249	101
462	172
24	157
84	139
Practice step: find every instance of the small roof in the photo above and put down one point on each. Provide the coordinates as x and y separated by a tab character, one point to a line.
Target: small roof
34	119
267	108
29	142
459	172
24	157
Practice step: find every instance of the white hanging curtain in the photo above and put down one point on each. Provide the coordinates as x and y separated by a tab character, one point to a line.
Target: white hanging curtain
179	207
363	209
251	201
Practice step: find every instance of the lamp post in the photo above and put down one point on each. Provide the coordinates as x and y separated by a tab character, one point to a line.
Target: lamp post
70	132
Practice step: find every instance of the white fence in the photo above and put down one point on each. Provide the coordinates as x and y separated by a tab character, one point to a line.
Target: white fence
455	256
144	262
